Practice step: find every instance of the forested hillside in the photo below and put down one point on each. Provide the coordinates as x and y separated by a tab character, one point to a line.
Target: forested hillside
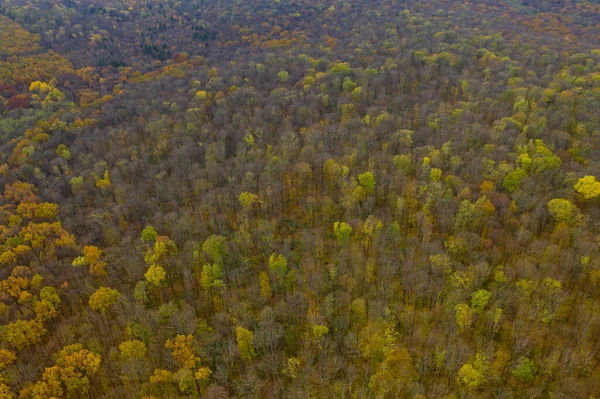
299	199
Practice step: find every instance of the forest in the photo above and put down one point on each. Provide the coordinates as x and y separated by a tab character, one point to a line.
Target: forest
366	199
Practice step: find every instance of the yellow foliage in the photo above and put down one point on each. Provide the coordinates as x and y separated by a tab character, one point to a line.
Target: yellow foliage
588	187
104	183
182	350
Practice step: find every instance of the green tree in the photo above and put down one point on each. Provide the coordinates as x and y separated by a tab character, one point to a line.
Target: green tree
524	370
479	300
513	180
210	278
278	265
283	76
564	211
367	181
342	231
149	234
214	246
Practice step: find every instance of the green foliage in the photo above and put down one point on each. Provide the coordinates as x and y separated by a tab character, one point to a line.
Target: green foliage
473	376
210	277
283	76
525	370
349	85
564	211
513	180
342	232
318	331
479	300
149	234
402	162
278	265
340	68
213	246
367	181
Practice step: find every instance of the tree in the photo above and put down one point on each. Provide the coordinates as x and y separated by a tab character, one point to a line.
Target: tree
564	211
396	371
182	350
342	231
278	265
513	180
525	370
132	349
105	182
472	376
283	76
367	181
155	276
463	316
479	300
202	375
6	392
588	187
318	331
265	285
74	365
44	310
244	340
210	278
161	376
6	358
92	258
24	333
149	234
214	246
435	174
248	200
103	299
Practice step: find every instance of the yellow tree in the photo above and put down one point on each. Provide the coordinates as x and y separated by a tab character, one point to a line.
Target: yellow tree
588	187
182	350
244	340
395	372
155	276
472	376
6	358
24	333
105	182
104	298
74	365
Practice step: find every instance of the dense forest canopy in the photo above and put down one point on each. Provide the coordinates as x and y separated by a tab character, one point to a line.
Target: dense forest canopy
299	199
